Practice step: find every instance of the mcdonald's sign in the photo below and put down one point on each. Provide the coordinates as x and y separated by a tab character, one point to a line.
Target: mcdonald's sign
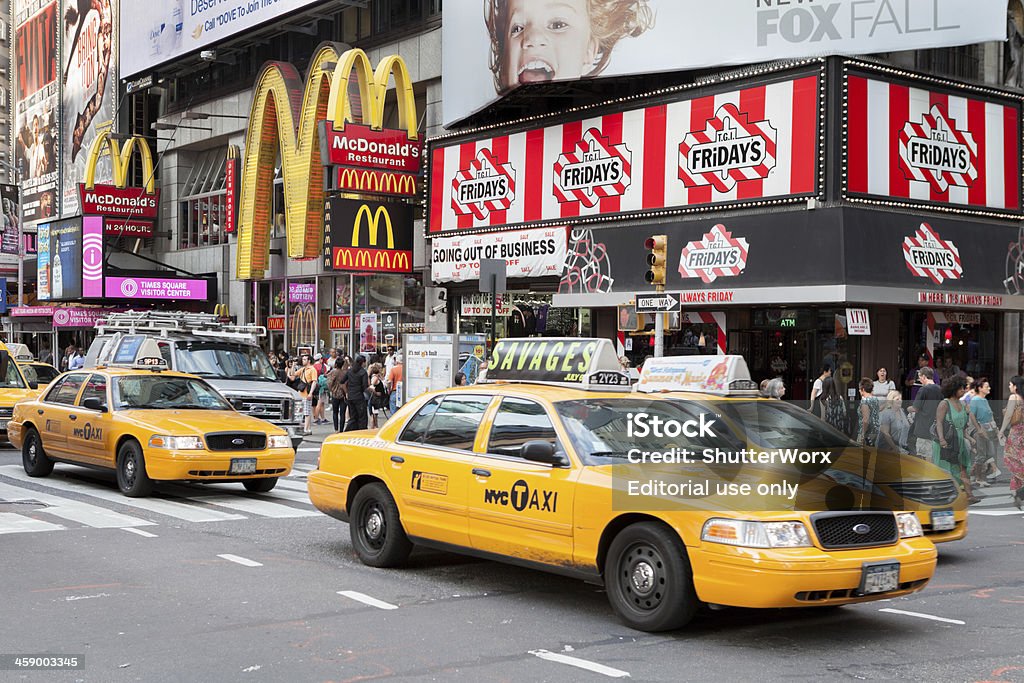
275	323
368	236
119	200
289	118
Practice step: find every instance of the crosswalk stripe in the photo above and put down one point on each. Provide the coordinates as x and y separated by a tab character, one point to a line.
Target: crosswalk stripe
301	467
182	511
292	485
278	492
243	503
73	510
995	513
11	523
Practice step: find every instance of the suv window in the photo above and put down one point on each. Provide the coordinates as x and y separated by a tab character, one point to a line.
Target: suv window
96	388
516	422
456	421
65	391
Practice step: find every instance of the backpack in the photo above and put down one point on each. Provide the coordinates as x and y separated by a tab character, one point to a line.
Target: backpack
381	394
321	383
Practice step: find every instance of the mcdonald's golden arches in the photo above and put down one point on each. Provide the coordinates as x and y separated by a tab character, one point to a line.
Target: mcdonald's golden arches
119	200
368	236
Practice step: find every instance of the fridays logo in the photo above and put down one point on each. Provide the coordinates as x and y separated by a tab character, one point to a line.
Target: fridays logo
718	254
728	150
486	186
935	152
928	255
592	171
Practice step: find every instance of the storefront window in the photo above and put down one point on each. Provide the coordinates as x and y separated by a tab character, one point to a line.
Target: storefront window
302	313
523	315
955	342
203	204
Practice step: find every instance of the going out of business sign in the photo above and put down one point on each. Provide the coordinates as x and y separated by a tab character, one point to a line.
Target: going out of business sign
484	59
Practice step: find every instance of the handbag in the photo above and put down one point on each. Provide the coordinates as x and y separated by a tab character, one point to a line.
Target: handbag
951	452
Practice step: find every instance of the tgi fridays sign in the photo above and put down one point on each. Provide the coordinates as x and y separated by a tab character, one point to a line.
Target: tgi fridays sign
528	253
928	255
717	254
738	146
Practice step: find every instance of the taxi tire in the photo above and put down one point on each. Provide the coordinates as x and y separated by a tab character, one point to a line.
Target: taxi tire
650	547
40	465
260	485
391	547
140	485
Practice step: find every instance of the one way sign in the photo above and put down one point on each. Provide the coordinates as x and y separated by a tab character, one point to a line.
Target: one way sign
656	303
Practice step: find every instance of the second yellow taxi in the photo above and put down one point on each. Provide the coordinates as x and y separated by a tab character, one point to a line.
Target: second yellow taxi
148	425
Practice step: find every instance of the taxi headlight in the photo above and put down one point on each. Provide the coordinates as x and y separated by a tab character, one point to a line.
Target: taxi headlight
749	534
177	443
279	441
909	525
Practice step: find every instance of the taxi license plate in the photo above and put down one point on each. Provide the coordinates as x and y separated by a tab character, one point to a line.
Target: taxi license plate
943	520
243	466
879	578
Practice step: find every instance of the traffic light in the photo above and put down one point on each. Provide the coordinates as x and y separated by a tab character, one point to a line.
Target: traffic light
657	259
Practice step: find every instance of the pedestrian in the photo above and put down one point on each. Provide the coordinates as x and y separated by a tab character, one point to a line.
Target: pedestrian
394	379
913	379
893	425
460	379
833	407
1012	434
815	406
356	386
66	358
986	441
763	387
923	410
305	384
867	435
377	393
323	395
951	453
883	385
337	386
389	360
77	360
775	389
970	393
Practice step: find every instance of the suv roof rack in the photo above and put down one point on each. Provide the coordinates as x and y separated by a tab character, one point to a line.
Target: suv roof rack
163	323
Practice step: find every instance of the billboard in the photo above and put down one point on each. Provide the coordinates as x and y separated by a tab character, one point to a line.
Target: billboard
527	253
37	107
43	263
492	47
88	90
156	288
368	237
910	141
737	146
9	220
162	31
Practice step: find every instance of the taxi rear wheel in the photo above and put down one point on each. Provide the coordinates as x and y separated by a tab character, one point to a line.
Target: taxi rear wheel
131	471
33	457
260	485
648	578
376	529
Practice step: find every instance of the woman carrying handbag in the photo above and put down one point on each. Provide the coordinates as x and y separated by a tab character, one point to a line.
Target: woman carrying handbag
951	451
1013	432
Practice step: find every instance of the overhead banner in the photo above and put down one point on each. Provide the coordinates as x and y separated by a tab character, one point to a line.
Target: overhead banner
368	236
930	146
37	120
89	88
156	288
492	48
162	31
528	253
734	147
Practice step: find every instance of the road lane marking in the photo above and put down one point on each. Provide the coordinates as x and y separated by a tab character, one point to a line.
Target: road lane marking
995	513
293	485
580	664
139	532
240	560
73	510
367	600
257	507
11	523
923	616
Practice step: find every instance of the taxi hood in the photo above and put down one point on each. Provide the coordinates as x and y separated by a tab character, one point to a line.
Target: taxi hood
197	422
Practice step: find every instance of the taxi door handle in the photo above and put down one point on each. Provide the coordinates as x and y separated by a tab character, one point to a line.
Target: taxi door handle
481	473
398	459
39	411
74	417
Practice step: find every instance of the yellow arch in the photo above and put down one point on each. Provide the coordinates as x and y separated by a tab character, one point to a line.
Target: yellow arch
373	221
373	89
119	160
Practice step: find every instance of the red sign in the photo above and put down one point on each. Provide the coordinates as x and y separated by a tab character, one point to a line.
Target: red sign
375	182
717	254
741	146
231	194
340	322
928	255
275	323
363	147
127	227
129	202
954	299
927	146
365	259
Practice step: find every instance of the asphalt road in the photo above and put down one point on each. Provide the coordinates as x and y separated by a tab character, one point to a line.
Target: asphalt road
213	584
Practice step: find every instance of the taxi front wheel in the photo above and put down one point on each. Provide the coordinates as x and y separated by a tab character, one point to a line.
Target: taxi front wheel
648	578
377	533
131	471
33	457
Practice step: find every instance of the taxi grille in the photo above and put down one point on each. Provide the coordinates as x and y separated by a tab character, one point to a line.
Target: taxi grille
836	529
939	492
6	412
850	593
236	441
225	473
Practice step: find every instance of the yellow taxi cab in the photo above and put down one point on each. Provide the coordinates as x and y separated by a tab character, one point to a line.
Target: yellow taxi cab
35	371
548	464
15	386
148	425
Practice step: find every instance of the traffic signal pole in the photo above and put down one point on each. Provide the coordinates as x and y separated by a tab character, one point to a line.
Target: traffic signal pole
657	259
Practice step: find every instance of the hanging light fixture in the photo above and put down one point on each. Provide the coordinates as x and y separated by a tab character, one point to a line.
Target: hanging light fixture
949	335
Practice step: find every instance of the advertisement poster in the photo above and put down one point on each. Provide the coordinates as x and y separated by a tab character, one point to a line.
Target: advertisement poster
529	253
301	293
43	263
156	288
428	363
472	355
66	260
363	236
168	29
342	295
9	222
492	48
88	89
37	107
369	333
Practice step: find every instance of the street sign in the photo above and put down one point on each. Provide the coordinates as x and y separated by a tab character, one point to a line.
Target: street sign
493	274
657	303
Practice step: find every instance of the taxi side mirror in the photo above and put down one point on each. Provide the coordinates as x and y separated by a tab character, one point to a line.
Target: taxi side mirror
94	403
33	384
543	452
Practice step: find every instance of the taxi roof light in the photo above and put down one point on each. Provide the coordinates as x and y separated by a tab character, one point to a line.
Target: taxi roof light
587	364
720	375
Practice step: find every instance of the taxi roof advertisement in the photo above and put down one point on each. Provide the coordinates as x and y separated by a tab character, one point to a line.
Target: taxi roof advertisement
491	48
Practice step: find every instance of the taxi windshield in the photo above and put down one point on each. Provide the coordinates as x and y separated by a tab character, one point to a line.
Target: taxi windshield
604	430
10	376
161	392
224	360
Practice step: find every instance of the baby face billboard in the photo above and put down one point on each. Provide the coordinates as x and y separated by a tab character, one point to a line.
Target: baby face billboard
491	47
